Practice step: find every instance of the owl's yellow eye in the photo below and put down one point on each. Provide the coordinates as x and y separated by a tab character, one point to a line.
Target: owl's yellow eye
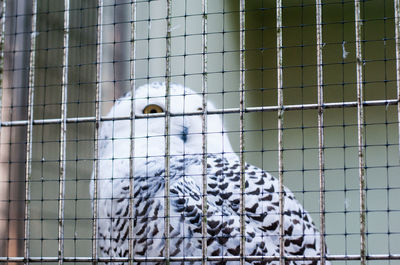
150	109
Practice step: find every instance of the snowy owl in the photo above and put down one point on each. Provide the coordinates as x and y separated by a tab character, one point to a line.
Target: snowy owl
185	184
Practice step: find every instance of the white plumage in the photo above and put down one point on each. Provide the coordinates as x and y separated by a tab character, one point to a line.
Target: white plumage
223	191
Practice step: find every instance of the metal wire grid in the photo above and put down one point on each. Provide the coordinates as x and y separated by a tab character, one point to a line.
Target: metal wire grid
280	108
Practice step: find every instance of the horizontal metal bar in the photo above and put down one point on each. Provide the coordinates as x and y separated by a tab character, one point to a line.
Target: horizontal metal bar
198	258
210	112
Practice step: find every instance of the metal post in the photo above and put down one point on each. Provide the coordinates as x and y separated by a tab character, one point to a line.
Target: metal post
242	81
320	83
360	127
29	130
132	134
3	187
99	58
167	140
279	66
204	4
2	32
63	134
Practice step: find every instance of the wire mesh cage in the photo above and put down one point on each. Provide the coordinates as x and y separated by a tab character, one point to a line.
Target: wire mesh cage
307	90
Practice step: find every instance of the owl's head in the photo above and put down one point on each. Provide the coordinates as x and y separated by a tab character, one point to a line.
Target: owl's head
185	131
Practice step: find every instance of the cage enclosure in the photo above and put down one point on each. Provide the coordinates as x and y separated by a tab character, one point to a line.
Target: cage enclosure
306	90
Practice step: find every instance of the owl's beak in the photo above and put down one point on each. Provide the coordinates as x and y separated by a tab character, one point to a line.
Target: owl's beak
184	134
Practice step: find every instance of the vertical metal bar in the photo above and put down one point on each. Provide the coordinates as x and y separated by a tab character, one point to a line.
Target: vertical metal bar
3	213
167	140
242	77
132	134
204	8
99	58
360	127
397	39
63	135
29	131
279	67
2	37
320	84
